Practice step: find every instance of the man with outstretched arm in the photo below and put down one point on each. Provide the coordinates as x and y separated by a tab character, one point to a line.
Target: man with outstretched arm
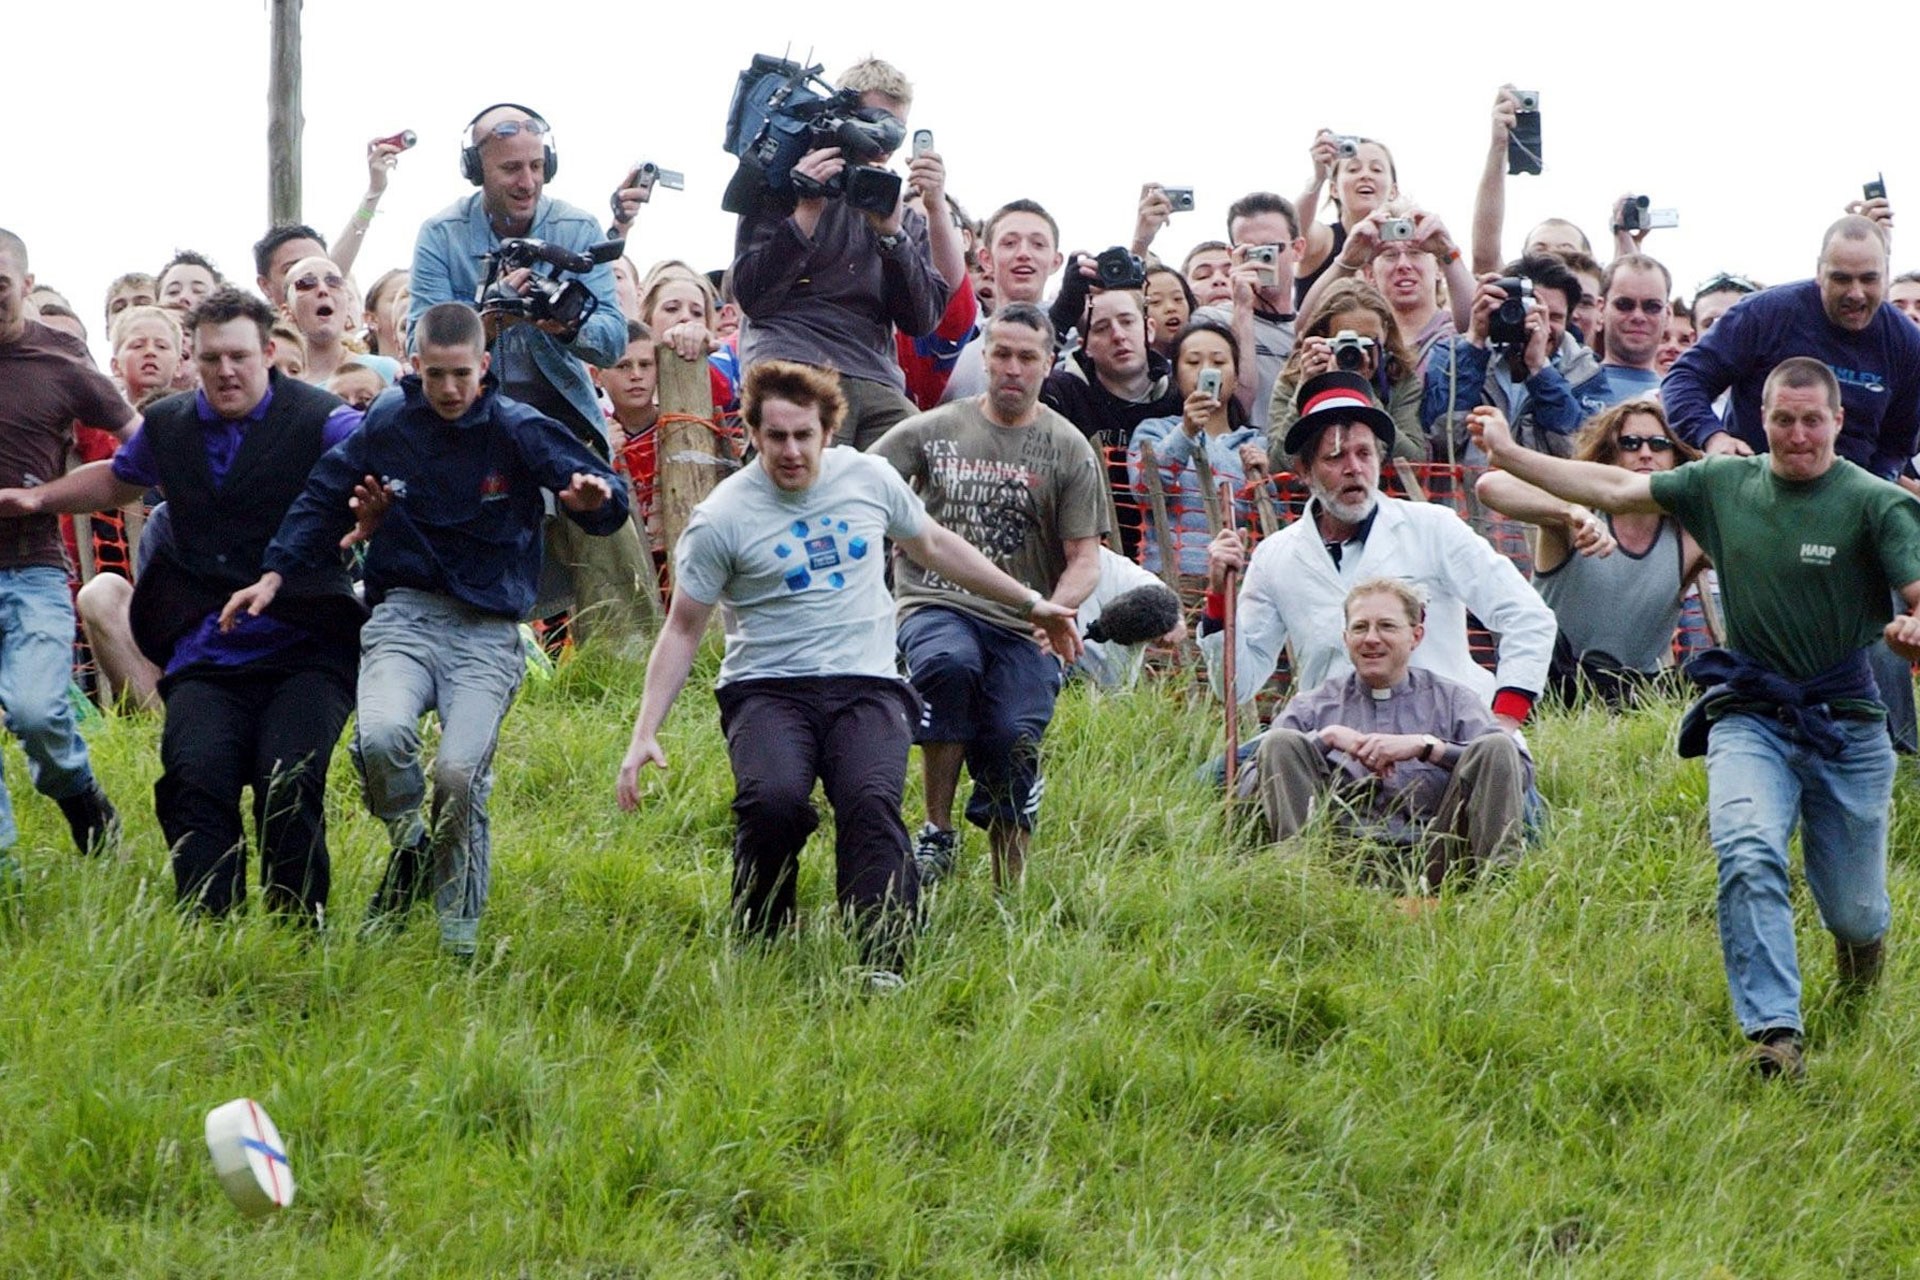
1810	548
795	546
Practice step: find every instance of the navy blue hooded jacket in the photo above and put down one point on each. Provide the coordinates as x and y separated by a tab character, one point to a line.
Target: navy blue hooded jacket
466	519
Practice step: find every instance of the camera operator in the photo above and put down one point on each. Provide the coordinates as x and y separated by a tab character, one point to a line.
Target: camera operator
827	284
1266	247
1517	356
509	155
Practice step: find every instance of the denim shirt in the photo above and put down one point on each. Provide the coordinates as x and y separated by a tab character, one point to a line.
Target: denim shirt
449	262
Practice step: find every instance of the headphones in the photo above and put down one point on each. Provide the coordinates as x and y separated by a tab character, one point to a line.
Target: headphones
470	150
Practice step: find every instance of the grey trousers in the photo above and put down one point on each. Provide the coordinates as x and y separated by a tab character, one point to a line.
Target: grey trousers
872	410
424	652
1479	815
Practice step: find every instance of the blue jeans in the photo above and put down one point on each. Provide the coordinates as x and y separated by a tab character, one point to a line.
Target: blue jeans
1760	784
36	665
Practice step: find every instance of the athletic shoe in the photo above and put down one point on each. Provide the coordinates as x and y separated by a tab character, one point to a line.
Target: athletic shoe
934	851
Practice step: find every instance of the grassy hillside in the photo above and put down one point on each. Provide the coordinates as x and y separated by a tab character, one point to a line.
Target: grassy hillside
1173	1053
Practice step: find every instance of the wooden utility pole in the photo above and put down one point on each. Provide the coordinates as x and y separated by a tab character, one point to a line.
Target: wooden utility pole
284	121
689	453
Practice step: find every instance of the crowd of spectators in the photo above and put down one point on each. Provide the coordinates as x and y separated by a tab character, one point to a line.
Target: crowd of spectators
1050	405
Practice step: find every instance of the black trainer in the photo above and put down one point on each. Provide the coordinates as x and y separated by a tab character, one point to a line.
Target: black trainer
401	885
934	851
93	820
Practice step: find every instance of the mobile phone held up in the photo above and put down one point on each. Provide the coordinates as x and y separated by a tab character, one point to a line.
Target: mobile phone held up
1877	189
1208	383
1523	140
922	141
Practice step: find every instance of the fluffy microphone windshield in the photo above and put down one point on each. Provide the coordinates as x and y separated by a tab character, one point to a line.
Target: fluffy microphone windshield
1137	616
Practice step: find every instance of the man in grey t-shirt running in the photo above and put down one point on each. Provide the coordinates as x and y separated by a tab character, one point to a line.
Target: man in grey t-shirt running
807	685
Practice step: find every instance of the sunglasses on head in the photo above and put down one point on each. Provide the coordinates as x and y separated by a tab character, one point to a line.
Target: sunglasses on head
1652	306
1726	280
1634	444
308	283
508	128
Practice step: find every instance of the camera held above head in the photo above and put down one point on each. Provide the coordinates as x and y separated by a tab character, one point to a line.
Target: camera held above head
1118	268
566	303
1507	326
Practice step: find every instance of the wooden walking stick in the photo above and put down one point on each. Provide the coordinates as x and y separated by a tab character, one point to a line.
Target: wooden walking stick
1229	590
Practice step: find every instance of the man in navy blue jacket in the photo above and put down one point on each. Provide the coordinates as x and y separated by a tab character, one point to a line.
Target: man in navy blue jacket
1837	318
445	477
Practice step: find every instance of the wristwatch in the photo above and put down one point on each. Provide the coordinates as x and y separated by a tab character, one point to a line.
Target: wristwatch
890	240
1032	603
1430	748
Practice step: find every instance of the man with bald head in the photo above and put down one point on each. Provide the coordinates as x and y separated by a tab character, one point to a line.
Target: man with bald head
510	156
1837	318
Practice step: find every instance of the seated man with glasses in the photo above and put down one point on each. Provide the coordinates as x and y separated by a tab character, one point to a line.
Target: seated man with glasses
1397	753
510	157
1634	307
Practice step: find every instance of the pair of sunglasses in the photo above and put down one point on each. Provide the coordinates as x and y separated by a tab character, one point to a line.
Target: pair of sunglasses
1634	444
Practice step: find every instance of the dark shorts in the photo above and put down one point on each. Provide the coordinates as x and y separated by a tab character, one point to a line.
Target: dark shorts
992	690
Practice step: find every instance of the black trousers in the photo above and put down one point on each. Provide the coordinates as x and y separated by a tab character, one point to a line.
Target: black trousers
273	729
852	733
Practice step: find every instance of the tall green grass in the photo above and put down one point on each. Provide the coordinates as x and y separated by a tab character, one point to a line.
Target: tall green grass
1174	1052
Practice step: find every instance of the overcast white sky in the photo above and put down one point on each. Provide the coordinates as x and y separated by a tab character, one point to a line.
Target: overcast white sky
143	126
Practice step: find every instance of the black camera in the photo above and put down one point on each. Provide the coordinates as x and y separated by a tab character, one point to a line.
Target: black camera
1116	268
567	303
863	134
1507	327
1350	350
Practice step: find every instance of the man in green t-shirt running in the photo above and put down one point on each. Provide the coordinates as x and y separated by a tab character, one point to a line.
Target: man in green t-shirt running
1809	548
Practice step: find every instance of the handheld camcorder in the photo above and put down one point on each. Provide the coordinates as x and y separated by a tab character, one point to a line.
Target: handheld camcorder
1637	215
1350	350
566	303
1507	326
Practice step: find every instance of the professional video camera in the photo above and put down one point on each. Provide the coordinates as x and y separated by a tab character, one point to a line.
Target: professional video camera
567	303
782	110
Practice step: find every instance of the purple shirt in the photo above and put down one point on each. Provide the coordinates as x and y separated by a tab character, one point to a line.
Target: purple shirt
251	638
134	462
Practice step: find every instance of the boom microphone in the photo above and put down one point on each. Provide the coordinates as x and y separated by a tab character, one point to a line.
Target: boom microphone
1134	617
